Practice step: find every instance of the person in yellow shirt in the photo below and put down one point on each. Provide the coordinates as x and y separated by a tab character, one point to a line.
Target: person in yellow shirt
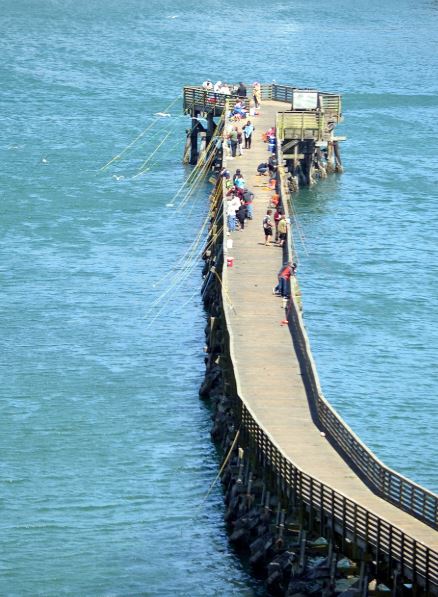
282	230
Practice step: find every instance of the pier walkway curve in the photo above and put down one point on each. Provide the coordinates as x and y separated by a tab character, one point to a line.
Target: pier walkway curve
283	411
267	370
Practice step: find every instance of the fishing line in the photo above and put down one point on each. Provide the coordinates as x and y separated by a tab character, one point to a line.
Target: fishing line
196	183
139	136
195	170
185	257
142	169
224	464
172	127
189	264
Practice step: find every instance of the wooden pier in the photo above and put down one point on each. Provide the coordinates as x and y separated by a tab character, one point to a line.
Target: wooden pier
284	420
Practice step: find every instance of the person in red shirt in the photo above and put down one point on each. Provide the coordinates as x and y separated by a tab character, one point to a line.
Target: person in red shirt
284	275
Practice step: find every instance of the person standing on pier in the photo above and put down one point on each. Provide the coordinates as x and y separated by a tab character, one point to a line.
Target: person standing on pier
256	94
239	182
241	91
233	205
233	141
284	275
241	214
277	217
282	230
239	141
267	227
248	130
236	175
248	196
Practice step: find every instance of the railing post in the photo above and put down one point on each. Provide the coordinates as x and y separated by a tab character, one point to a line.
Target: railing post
321	510
301	501
402	551
311	505
414	563
367	514
332	507
426	574
344	510
378	546
435	511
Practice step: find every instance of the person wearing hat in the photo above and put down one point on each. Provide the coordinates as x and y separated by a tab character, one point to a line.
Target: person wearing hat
256	94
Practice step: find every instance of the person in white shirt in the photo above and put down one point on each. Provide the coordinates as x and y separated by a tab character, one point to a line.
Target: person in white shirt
232	206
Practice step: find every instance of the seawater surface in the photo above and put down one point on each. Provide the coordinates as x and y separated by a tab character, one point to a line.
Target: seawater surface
106	454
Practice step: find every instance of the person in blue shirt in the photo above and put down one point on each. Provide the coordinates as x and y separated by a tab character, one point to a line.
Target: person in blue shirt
248	130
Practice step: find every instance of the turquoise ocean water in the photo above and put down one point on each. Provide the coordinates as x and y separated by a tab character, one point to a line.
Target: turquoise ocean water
105	447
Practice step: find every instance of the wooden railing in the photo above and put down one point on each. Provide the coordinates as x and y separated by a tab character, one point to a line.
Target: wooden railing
416	560
348	518
209	101
266	89
199	99
295	124
329	103
389	484
282	93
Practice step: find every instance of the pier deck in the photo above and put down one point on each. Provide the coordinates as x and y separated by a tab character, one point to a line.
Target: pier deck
265	364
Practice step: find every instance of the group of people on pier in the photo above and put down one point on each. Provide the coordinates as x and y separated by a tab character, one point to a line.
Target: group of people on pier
240	208
239	197
240	90
239	138
239	200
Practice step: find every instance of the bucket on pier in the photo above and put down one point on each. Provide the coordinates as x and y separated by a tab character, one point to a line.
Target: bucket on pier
230	261
229	243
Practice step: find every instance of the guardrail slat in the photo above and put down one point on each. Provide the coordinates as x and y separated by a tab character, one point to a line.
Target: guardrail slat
340	510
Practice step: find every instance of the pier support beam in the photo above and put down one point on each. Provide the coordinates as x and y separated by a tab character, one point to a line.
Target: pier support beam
211	127
330	157
187	148
338	162
202	148
194	141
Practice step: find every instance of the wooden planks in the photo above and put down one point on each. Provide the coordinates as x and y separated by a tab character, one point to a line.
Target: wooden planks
268	374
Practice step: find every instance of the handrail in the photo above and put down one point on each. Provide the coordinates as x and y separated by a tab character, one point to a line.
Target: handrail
330	103
418	560
387	483
300	120
207	101
415	558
